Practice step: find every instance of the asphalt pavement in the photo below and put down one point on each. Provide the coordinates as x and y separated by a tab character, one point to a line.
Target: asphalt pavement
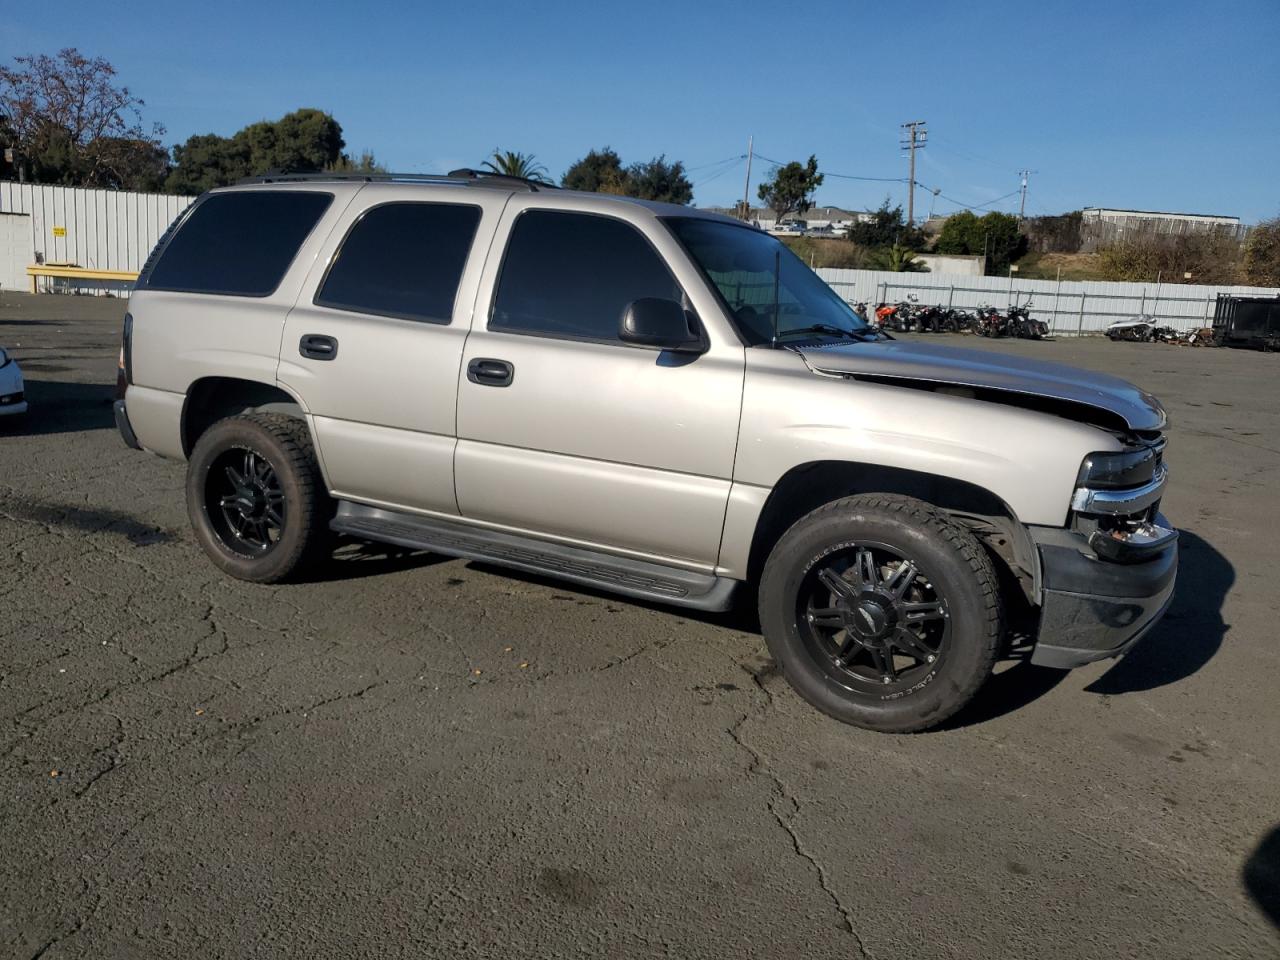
422	757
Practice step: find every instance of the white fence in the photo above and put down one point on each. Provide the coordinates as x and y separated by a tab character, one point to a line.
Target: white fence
1068	306
98	229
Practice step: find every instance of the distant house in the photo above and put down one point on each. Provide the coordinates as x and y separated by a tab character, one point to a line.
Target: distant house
832	220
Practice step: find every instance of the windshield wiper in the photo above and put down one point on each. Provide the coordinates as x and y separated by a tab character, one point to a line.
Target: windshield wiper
826	328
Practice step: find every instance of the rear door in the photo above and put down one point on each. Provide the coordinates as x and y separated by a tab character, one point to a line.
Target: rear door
374	343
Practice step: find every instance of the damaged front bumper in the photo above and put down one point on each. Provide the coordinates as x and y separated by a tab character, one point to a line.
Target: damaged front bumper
1100	595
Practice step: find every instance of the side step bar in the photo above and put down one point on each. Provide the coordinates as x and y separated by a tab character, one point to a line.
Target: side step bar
633	578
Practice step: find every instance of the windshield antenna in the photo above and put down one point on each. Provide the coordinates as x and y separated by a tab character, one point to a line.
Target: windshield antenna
777	266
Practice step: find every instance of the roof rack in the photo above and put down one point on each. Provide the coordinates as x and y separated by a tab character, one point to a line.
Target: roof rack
480	177
464	176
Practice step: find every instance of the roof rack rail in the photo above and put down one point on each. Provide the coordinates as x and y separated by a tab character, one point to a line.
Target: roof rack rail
485	176
465	176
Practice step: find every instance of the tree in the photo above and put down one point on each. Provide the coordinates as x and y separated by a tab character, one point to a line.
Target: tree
68	122
658	180
1055	234
512	164
206	161
897	258
1262	254
601	171
994	235
790	188
365	163
1209	257
885	228
302	141
597	172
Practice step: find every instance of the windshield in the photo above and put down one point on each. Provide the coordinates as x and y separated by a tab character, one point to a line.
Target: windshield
763	282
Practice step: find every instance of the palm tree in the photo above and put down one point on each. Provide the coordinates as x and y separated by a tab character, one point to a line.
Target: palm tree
511	163
897	258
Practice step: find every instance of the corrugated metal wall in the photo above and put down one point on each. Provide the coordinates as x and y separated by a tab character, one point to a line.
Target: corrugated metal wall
100	229
1068	306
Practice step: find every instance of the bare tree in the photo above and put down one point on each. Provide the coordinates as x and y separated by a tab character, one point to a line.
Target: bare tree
68	120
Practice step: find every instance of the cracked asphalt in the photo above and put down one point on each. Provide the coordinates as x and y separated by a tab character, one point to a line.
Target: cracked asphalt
424	757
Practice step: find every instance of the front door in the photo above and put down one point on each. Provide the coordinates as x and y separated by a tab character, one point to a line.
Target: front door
564	430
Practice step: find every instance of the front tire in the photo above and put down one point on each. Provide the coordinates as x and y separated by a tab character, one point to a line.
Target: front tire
882	612
256	498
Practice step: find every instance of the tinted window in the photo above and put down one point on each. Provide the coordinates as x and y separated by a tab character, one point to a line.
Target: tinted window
403	260
571	275
238	243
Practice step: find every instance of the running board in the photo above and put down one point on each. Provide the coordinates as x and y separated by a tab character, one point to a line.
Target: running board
633	578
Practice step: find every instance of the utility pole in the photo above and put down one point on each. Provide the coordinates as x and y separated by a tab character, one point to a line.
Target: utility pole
914	136
1022	204
746	187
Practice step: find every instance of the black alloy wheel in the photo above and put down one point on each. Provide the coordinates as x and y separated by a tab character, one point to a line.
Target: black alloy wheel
872	619
245	501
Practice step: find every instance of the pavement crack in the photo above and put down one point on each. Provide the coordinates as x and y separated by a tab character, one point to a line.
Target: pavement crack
784	799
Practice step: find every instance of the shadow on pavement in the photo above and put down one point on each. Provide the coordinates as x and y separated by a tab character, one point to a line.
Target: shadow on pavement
1006	691
85	519
1190	633
1261	876
356	559
58	406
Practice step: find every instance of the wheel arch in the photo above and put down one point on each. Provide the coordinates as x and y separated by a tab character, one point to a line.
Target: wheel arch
808	486
210	399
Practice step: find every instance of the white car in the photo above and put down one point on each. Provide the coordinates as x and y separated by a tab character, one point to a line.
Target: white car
12	399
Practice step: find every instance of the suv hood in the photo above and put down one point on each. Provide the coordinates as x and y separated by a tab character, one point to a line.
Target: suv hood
927	365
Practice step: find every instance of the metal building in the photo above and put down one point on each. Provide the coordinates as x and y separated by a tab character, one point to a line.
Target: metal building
97	229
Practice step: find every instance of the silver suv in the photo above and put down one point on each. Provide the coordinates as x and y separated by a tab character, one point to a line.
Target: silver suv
646	399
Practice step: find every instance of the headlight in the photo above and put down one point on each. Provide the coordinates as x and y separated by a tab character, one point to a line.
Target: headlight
1126	468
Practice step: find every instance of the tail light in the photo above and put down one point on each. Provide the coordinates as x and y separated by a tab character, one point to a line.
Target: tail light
124	366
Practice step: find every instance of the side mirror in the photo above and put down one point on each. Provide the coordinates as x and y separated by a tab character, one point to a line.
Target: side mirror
655	322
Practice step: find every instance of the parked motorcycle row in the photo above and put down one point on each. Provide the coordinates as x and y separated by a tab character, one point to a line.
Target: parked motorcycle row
911	316
1143	329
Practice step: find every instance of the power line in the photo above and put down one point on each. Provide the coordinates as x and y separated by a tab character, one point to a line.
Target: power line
720	173
972	206
935	190
714	163
840	176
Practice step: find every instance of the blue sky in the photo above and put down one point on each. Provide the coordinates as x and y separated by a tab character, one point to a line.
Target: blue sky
1163	106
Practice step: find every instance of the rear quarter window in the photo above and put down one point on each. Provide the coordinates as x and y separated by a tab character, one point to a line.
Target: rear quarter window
237	244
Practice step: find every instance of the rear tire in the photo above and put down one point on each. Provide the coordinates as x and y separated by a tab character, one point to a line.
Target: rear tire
256	498
882	612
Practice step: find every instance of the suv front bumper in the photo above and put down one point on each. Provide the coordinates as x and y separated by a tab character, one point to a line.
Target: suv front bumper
1094	608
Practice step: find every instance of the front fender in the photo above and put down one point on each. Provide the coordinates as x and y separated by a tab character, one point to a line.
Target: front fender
792	416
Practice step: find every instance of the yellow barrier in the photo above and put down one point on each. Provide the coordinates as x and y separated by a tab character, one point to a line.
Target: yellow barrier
67	271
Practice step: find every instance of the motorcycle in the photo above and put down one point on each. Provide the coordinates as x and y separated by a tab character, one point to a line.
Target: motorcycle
1023	326
989	323
932	319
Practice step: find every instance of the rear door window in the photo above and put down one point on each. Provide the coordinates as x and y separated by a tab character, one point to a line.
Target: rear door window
402	260
237	244
571	275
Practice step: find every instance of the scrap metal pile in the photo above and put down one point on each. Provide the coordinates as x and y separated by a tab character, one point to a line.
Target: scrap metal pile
1143	329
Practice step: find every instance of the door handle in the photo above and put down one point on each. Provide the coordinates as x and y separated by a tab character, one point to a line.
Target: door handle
317	346
490	373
